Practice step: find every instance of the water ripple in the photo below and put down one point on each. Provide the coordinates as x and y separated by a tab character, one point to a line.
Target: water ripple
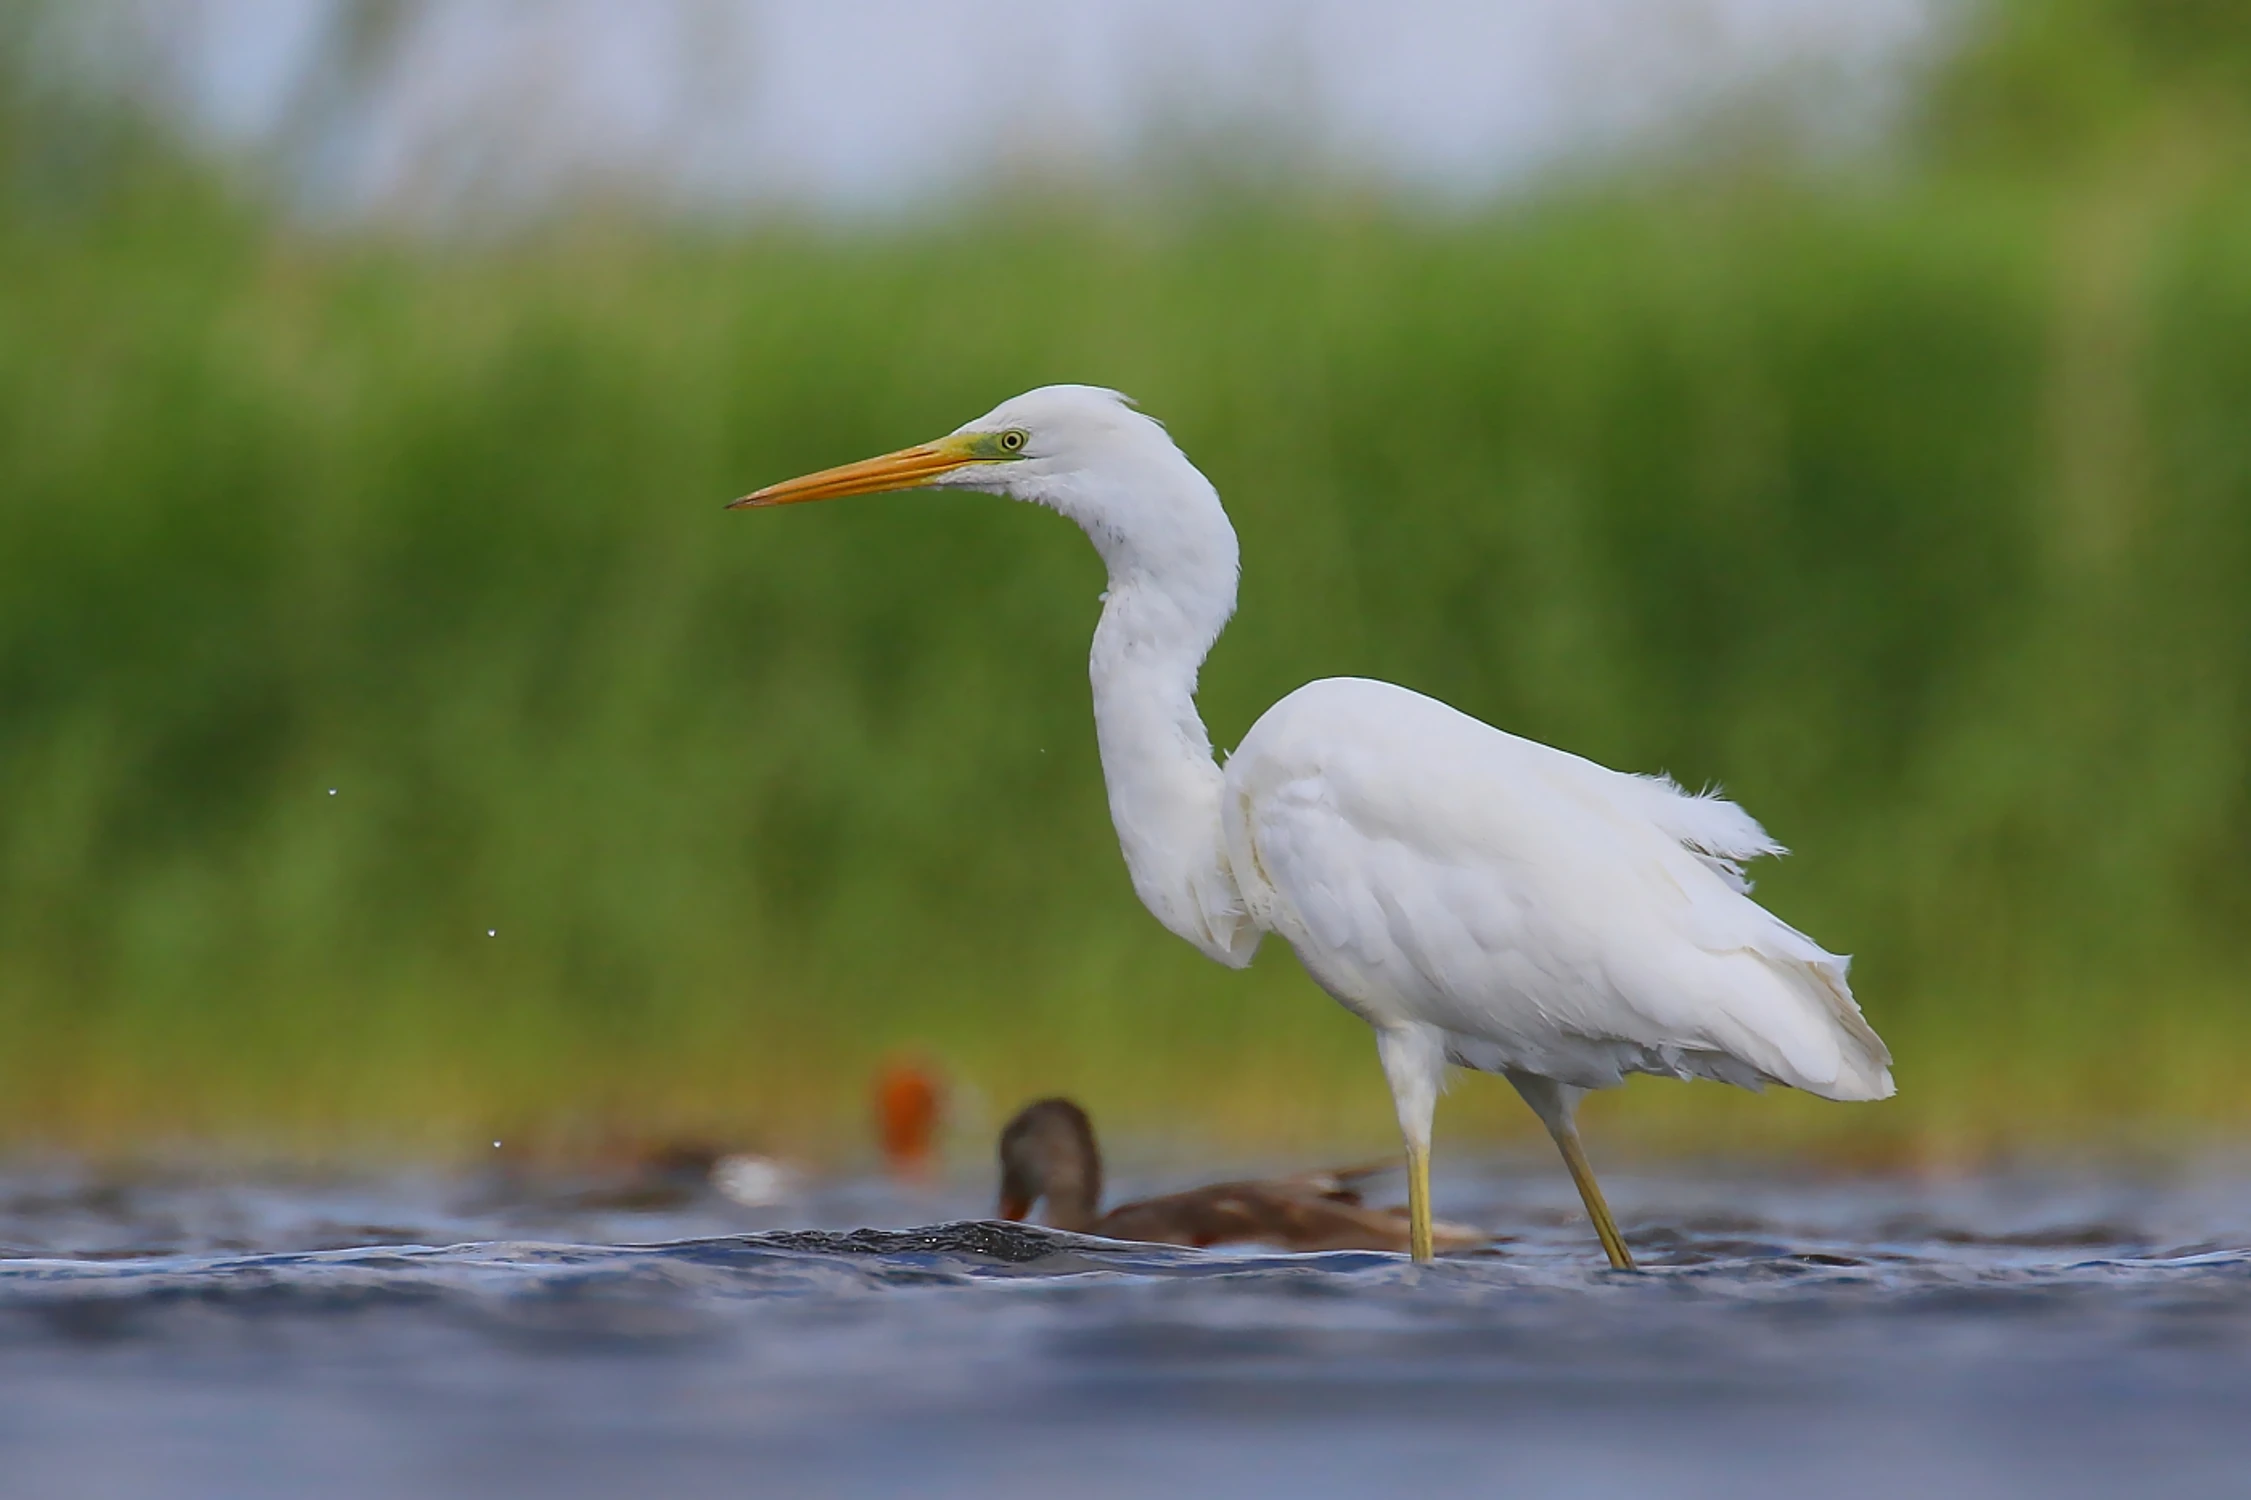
2063	1336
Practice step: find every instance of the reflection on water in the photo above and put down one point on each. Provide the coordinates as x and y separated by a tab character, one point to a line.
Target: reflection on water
2021	1334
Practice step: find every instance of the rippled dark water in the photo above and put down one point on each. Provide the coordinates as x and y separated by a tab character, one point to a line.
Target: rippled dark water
2043	1334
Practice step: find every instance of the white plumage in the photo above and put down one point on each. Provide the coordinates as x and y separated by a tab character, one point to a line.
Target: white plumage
1544	914
1477	898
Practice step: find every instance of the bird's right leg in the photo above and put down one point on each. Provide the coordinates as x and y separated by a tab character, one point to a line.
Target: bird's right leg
1414	1064
1555	1104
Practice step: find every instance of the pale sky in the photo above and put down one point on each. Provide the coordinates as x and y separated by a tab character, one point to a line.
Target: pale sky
855	105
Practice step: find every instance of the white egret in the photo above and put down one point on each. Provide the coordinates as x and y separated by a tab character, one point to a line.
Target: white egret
1476	898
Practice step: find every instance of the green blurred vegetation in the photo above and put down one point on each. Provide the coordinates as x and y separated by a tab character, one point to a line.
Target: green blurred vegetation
398	744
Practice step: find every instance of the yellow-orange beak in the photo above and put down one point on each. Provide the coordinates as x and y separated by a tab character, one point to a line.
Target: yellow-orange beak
909	468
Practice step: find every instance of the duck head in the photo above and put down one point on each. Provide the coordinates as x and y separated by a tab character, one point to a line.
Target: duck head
1048	1151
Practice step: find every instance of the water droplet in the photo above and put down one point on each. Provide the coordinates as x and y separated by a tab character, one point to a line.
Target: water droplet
496	1145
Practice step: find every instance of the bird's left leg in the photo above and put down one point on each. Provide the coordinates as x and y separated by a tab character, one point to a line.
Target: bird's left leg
1414	1064
1555	1103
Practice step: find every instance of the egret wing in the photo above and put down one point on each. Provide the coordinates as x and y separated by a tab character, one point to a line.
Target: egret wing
1546	913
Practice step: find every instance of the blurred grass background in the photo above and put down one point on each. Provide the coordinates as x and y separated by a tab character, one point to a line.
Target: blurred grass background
398	745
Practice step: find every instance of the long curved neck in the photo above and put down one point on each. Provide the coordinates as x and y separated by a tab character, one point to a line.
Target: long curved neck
1160	618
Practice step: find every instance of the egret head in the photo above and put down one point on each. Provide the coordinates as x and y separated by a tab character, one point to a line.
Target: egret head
1078	449
1086	453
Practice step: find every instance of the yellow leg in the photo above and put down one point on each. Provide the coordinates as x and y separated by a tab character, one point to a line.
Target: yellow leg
1590	1193
1418	1201
1414	1064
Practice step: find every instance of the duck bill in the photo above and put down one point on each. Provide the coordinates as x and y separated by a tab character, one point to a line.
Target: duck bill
907	469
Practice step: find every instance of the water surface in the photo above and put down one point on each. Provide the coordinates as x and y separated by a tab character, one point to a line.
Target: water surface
2028	1333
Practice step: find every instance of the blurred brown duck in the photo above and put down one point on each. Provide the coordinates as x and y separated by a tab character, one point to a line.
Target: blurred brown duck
1048	1151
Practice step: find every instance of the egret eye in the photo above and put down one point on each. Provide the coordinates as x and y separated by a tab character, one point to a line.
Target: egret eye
1012	441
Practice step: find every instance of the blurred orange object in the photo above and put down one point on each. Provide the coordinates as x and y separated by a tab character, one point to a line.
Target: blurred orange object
908	1101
